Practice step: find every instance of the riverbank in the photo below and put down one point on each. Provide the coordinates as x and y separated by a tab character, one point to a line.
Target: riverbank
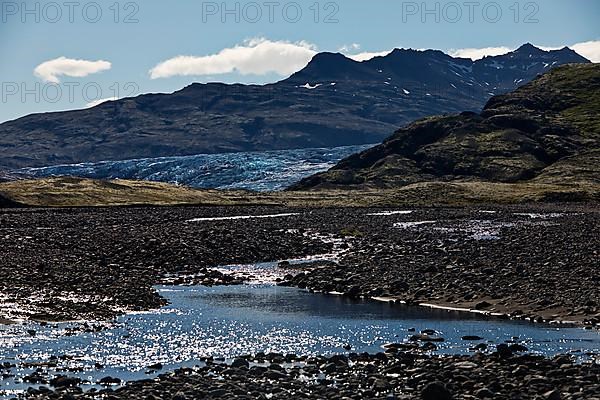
534	261
87	264
227	322
531	261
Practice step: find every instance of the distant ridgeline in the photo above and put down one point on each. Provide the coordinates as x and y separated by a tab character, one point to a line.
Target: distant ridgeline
333	101
547	131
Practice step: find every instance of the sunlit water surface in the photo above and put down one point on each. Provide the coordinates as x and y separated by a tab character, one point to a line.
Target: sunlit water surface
236	320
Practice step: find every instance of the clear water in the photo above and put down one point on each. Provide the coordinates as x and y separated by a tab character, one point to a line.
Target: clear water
237	320
258	171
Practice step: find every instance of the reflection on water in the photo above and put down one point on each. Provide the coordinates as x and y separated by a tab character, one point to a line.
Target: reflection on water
230	321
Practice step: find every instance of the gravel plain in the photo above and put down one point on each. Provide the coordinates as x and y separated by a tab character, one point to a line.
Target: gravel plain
536	261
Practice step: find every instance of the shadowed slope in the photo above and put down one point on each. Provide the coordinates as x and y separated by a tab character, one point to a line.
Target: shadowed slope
548	130
334	101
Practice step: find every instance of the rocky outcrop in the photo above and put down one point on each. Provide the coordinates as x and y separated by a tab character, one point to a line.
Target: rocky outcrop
548	130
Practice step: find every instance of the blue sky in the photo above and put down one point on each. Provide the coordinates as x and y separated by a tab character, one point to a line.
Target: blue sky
112	54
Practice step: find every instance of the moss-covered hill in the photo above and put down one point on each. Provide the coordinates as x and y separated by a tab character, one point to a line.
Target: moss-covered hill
547	131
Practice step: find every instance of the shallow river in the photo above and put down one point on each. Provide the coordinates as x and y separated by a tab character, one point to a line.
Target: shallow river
230	321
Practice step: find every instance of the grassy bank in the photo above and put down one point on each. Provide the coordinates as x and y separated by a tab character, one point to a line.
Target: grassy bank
77	192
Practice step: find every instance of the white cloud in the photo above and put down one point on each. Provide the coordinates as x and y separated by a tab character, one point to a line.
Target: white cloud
351	51
367	55
348	48
590	50
51	70
549	48
476	54
254	57
100	101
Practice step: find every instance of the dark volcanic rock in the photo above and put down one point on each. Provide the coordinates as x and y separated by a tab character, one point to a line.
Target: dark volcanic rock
371	376
503	350
333	101
240	362
65	381
426	338
544	260
109	380
472	337
525	268
120	253
436	391
544	266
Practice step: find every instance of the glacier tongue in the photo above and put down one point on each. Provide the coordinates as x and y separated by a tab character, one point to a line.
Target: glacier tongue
258	171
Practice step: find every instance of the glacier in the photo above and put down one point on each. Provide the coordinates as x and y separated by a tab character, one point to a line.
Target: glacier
256	171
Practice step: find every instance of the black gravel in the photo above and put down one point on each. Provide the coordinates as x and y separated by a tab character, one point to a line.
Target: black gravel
542	268
390	375
61	264
104	260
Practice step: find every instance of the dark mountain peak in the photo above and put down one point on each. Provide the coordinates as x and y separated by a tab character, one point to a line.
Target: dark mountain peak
333	101
402	51
403	61
568	52
414	53
529	57
328	58
191	87
395	52
529	49
555	114
569	55
325	66
396	57
565	55
526	50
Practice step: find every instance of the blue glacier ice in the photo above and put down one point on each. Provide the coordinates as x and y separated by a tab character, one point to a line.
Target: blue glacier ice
258	171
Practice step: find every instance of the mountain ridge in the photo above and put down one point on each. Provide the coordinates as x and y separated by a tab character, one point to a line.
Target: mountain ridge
349	103
547	131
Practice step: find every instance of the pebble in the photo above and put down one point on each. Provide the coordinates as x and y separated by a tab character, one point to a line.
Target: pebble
372	376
